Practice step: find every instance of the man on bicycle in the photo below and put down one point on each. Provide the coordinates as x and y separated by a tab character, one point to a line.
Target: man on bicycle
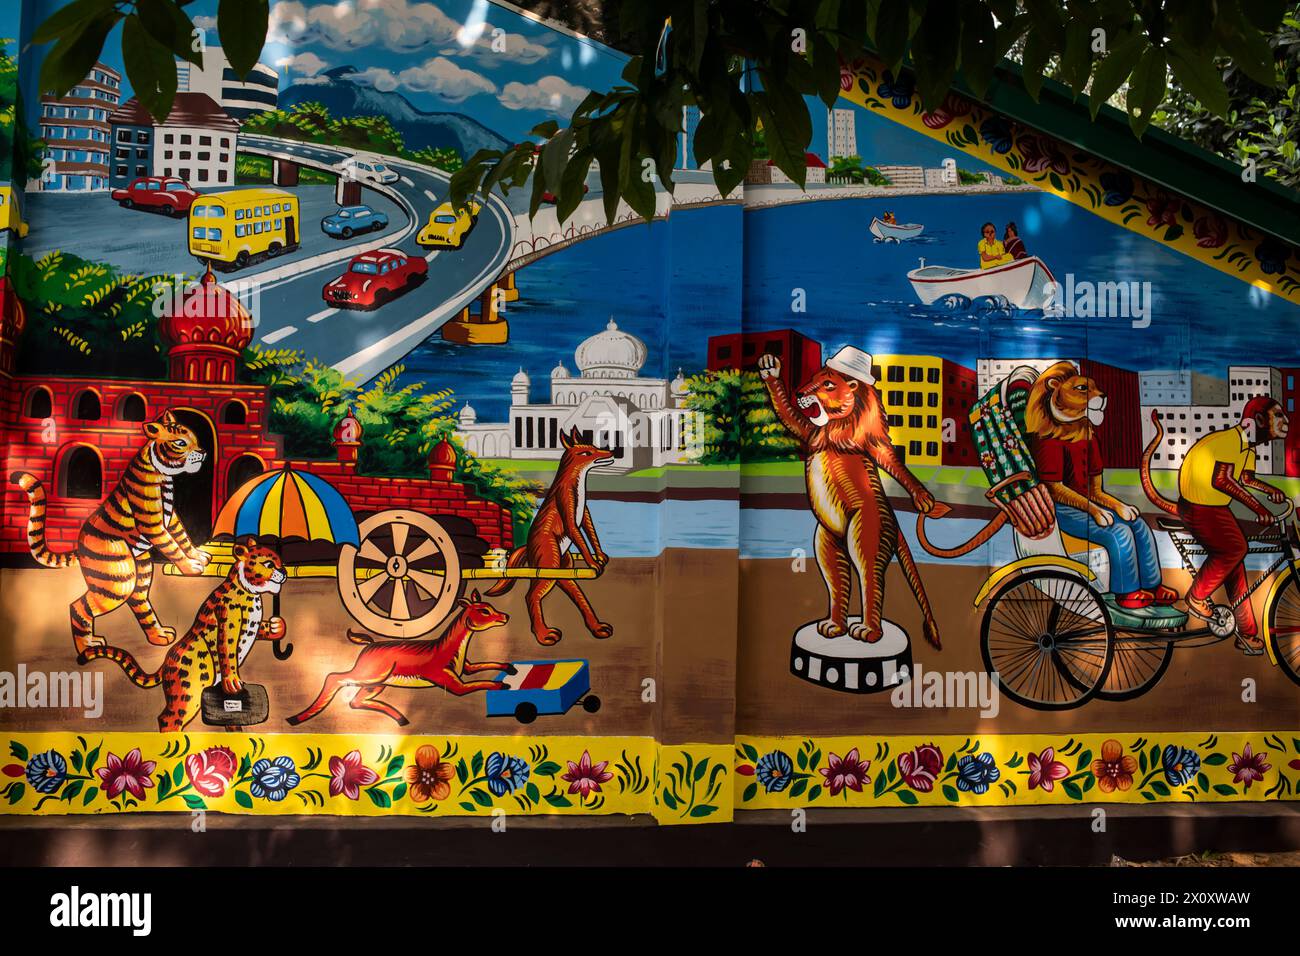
1217	470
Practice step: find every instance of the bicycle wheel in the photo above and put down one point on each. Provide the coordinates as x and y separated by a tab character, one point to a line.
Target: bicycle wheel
1049	638
1283	616
1137	666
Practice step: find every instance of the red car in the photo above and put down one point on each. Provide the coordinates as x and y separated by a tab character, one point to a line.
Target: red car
171	197
374	278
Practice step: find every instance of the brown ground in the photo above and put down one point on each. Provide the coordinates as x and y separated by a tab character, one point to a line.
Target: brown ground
694	672
1202	689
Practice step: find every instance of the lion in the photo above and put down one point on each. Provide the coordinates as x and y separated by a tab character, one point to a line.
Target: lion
841	425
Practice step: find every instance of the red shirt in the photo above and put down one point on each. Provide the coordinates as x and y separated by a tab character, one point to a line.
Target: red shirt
1073	463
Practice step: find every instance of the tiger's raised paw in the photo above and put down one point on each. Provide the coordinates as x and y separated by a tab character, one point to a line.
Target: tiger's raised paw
161	636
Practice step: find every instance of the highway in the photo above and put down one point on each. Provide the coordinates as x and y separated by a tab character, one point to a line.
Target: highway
292	313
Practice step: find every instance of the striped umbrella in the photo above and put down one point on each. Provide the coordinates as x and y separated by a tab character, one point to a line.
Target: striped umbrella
288	504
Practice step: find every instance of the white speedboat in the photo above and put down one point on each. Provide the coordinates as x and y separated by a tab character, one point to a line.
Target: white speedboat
1025	283
896	231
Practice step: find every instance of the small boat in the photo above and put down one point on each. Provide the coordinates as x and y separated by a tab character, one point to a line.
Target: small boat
895	231
1025	283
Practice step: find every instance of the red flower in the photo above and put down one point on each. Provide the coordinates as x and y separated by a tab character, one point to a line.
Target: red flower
1114	769
583	778
130	773
1210	231
1163	209
745	769
920	767
1294	765
851	772
1247	767
211	770
348	775
952	107
428	777
1045	770
848	73
1040	154
13	770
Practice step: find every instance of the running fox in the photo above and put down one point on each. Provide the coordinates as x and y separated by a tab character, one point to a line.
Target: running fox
562	520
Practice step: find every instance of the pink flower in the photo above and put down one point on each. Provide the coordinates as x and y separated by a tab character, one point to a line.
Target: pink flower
848	73
583	778
1247	767
850	771
348	775
1042	153
1210	231
211	770
920	767
130	773
952	107
1163	209
1045	770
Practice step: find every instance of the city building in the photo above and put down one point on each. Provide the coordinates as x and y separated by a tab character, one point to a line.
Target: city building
76	132
937	177
841	133
78	434
196	142
1290	394
258	93
1181	387
643	421
903	176
685	152
927	403
763	173
800	356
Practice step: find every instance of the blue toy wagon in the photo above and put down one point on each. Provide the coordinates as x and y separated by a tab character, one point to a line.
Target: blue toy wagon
541	687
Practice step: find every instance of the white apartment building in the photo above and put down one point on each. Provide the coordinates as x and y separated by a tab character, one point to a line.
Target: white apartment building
259	93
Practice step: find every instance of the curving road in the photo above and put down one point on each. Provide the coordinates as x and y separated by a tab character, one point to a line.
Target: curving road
291	312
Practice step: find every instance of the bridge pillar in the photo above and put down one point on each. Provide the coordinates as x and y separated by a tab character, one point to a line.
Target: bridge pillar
508	287
485	327
284	172
347	192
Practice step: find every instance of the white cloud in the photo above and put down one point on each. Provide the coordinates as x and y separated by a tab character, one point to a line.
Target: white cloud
304	64
553	94
439	76
491	50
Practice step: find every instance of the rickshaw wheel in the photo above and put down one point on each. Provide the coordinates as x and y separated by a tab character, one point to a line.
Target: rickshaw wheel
1049	638
1283	616
394	585
1135	669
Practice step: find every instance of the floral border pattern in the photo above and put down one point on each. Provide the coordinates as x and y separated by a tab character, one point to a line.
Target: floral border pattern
272	774
1136	204
1014	770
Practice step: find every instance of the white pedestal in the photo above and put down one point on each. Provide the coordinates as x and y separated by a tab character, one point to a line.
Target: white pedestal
846	664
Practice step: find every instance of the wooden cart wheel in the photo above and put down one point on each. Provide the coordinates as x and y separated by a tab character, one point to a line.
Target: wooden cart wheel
404	578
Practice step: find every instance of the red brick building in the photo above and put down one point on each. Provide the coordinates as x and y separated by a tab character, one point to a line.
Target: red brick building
959	394
800	356
78	434
1120	435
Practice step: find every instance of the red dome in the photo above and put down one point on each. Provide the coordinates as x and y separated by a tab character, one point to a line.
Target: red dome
12	315
443	454
206	314
348	430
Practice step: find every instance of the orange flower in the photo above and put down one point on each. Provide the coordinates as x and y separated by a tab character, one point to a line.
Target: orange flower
1114	771
428	778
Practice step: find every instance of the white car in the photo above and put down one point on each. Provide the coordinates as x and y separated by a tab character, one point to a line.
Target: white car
368	170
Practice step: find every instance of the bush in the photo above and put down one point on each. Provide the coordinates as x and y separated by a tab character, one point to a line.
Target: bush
737	423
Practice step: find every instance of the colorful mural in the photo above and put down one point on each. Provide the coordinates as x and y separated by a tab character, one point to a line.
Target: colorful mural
260	380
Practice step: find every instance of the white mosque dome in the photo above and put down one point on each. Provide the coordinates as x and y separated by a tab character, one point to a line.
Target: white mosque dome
467	415
678	384
559	371
611	354
521	378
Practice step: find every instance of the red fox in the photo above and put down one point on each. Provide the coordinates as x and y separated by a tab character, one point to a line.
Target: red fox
562	520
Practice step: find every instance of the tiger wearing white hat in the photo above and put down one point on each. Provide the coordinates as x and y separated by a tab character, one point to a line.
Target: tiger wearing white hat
840	423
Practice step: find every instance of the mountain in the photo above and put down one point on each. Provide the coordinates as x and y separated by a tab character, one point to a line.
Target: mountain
344	96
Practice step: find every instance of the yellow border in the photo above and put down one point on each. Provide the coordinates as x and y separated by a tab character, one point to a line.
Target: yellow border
1033	561
1175	221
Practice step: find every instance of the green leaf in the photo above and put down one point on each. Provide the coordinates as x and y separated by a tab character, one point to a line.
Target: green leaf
241	25
700	770
560	800
1160	788
1215	760
16	792
481	797
907	796
399	791
394	765
178	774
1115	68
1146	89
92	758
1034	63
534	794
949	793
979	47
1085	758
1072	790
547	768
89	795
814	792
69	19
750	792
462	770
71	790
150	67
18	750
1076	59
1223	790
379	798
892	30
1247	47
703	810
76	759
935	49
243	799
880	785
1203	782
194	802
466	805
168	24
799	787
75	53
1199	76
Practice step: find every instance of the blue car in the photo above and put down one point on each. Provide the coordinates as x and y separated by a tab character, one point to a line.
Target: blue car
351	220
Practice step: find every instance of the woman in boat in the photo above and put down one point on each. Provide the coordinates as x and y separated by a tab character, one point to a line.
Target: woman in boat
889	218
1011	241
992	252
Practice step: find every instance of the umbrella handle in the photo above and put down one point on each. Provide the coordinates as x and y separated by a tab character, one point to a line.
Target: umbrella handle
281	651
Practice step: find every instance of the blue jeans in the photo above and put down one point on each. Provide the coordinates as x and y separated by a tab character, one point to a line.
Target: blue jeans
1130	545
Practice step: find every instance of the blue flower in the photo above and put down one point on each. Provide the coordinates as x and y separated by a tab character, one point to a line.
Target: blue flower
1272	257
1181	765
897	91
976	771
775	771
505	774
46	772
273	779
997	133
1118	188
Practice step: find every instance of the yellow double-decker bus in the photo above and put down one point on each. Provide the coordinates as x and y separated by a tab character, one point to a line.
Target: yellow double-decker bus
235	228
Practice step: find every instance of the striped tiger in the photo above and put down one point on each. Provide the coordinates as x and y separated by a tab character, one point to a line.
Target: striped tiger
114	545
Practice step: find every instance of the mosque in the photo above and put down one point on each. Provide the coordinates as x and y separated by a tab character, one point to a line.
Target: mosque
643	421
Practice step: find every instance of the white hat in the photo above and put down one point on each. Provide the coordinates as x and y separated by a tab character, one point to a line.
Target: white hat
854	363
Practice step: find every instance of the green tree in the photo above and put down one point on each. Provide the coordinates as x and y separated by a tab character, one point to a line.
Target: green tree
846	169
20	152
734	419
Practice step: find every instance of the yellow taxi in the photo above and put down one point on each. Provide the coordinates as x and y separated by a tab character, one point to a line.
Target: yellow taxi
448	228
11	212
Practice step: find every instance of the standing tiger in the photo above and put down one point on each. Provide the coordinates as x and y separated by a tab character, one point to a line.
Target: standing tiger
221	636
114	544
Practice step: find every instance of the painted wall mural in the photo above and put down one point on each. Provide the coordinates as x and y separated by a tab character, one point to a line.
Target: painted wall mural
950	478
